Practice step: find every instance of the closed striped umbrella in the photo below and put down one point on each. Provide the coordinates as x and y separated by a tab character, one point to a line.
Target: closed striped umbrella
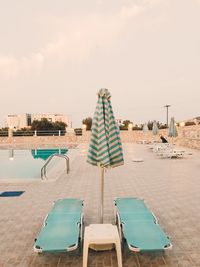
155	128
105	148
172	128
145	128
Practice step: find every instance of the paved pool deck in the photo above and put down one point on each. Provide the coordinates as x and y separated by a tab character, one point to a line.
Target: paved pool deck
170	187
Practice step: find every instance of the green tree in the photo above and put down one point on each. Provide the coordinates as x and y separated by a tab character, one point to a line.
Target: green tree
162	126
137	127
150	125
23	132
125	124
45	127
59	125
4	131
88	123
42	125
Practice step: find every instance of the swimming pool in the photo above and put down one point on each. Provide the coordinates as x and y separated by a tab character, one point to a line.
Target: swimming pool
25	164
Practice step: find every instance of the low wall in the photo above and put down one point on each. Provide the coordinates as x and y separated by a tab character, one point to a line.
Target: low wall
188	136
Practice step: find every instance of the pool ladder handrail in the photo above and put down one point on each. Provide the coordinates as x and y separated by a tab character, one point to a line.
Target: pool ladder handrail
43	169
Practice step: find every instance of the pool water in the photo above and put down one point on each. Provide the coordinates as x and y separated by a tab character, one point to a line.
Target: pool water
25	164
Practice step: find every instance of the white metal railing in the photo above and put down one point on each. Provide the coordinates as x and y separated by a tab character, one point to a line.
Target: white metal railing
32	133
43	169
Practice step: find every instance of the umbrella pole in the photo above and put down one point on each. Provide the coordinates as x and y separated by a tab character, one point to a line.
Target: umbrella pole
172	141
102	193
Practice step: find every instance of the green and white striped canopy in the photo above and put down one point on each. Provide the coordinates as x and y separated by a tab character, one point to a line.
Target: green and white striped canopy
105	148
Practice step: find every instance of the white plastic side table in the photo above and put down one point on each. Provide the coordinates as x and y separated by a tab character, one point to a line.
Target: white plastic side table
101	234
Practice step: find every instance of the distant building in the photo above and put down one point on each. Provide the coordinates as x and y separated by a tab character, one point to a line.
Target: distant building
18	121
24	120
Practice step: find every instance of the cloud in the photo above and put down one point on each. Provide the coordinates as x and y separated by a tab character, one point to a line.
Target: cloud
99	2
131	11
154	2
134	10
75	43
75	39
11	66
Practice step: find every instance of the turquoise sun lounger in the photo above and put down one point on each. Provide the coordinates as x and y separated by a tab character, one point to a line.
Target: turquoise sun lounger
62	227
139	226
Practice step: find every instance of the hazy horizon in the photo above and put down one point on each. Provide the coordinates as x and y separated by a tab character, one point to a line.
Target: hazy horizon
55	56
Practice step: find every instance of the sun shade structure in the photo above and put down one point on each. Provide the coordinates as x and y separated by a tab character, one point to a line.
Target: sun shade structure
62	227
145	128
172	128
155	128
172	132
105	148
139	226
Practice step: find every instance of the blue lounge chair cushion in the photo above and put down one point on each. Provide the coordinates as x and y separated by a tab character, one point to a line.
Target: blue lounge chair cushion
139	226
137	216
130	205
71	205
145	235
62	227
58	237
133	209
63	217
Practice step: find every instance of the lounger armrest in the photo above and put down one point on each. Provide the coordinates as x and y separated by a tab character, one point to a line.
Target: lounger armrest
72	247
155	218
45	220
115	210
169	246
132	248
81	227
37	249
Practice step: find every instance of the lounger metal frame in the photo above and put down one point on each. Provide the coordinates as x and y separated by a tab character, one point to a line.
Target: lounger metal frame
71	248
120	226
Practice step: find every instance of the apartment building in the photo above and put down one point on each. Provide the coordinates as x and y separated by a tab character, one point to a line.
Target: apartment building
18	121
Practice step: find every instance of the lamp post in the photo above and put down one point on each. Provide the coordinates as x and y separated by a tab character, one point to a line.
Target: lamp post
167	108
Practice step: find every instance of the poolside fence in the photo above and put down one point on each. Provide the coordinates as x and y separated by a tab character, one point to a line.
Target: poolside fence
188	136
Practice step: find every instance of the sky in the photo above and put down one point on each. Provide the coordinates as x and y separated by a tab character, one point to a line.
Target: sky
56	55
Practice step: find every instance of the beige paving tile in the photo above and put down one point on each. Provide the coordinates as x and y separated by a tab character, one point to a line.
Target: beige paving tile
171	189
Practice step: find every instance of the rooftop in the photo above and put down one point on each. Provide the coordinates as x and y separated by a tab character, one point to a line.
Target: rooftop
170	188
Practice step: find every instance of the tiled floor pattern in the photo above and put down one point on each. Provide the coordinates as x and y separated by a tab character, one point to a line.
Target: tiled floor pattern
170	187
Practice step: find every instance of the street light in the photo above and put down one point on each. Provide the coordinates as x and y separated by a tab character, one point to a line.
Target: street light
167	107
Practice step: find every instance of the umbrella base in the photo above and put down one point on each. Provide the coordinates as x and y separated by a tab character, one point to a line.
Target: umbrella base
137	159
